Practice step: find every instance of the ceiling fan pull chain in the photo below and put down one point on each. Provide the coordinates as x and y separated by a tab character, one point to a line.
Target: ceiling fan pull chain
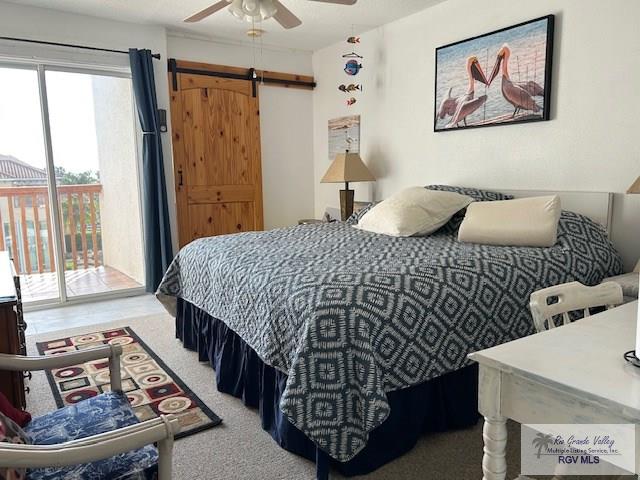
262	65
253	40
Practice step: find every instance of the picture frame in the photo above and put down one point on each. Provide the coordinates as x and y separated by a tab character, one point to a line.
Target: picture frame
502	77
343	134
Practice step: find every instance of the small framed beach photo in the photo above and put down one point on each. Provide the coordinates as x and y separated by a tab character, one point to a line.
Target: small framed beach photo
498	78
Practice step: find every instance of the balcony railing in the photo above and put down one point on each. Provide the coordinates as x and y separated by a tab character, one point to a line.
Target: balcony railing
25	217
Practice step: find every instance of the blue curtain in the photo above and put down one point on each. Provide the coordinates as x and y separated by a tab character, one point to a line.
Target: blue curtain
158	251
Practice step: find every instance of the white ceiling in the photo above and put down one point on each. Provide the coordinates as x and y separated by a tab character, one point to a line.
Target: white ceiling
323	24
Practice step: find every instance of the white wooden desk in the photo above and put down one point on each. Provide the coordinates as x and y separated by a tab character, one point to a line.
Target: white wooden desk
570	374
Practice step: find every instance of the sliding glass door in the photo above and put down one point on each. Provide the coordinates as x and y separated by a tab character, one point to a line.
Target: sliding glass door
25	218
77	223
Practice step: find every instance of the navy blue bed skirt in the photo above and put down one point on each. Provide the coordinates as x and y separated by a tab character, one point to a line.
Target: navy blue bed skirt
444	403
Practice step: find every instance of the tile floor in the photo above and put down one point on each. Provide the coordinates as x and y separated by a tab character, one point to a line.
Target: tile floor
71	316
83	281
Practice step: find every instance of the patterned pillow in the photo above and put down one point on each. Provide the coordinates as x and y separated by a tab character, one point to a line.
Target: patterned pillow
477	194
356	216
10	432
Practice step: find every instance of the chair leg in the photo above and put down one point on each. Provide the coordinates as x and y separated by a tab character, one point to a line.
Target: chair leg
114	372
165	458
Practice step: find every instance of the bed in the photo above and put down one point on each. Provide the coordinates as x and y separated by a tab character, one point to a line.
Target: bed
353	344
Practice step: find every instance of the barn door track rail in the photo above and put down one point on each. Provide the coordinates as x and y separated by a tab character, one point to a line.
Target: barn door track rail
286	80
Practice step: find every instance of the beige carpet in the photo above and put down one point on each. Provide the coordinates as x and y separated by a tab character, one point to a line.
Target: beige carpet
240	449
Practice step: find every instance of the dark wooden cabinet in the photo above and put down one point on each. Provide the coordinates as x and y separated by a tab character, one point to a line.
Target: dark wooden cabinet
12	330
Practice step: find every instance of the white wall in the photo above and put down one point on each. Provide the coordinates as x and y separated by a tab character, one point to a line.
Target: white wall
589	144
120	211
200	49
286	124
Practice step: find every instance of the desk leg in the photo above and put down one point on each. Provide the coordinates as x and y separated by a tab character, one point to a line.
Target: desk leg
494	463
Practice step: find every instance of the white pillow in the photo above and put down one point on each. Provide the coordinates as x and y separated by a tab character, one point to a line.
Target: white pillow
525	222
413	211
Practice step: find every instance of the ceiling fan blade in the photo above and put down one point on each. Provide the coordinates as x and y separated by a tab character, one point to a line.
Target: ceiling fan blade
339	2
284	16
207	11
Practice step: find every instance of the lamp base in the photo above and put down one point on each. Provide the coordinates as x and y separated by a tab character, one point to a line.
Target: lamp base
346	203
631	357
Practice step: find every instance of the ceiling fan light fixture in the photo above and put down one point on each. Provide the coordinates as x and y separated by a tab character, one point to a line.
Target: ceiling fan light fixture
253	10
236	9
267	9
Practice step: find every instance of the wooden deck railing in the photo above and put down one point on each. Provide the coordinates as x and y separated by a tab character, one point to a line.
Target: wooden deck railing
80	218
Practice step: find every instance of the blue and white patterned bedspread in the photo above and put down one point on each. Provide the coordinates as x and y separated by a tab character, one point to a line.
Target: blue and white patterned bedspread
350	315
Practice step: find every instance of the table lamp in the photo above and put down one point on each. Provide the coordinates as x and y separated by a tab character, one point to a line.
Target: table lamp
347	167
635	188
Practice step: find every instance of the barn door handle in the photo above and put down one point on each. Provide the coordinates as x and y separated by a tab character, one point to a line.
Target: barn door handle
180	178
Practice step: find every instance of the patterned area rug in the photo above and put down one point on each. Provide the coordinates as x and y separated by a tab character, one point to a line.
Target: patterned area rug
152	388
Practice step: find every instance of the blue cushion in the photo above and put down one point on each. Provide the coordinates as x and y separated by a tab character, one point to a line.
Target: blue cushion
100	414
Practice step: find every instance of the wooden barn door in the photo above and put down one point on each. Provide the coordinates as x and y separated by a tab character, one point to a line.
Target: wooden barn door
216	147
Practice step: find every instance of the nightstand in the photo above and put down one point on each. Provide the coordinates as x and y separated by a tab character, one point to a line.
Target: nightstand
309	221
12	328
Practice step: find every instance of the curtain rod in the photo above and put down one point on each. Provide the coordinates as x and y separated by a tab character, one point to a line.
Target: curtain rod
83	47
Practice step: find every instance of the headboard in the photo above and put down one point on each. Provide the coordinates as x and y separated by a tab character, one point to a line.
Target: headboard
598	206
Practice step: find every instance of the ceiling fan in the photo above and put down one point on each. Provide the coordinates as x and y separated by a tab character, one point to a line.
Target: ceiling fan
258	10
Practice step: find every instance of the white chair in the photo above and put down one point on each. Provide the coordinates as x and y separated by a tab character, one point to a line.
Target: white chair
571	297
93	447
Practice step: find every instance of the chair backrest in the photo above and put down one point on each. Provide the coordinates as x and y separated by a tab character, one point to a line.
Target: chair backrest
571	297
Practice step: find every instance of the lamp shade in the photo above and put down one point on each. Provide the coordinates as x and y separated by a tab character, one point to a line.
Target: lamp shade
347	167
635	188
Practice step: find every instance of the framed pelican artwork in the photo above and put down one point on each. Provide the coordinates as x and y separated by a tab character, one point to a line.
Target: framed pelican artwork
498	78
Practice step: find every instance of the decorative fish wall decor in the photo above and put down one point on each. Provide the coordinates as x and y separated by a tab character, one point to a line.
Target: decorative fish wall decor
352	67
350	88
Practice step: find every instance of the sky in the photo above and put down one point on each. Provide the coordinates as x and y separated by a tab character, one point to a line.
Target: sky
71	113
